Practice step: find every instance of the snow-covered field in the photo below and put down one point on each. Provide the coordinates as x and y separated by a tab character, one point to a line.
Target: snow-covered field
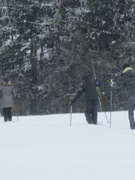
47	148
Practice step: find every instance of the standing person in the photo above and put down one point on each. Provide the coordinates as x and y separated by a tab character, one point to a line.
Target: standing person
88	87
127	81
7	99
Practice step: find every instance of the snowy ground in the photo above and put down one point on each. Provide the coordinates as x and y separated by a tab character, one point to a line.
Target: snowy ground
47	148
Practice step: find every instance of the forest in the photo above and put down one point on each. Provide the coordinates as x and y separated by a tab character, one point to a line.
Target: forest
46	46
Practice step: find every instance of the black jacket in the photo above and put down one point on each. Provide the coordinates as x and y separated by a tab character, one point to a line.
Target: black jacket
88	87
127	80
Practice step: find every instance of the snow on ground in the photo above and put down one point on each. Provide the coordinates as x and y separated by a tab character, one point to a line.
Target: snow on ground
48	148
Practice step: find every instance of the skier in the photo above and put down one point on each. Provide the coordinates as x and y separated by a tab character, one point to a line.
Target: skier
127	80
88	87
7	99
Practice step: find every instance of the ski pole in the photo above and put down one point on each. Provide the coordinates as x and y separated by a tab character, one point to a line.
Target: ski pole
99	93
111	102
71	115
16	114
100	99
17	118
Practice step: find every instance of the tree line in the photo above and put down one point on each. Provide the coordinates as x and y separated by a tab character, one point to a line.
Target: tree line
46	46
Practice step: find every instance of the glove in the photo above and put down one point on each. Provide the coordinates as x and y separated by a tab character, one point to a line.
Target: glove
103	93
112	84
71	103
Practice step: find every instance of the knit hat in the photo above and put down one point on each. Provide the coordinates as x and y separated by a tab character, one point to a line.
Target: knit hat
5	80
85	77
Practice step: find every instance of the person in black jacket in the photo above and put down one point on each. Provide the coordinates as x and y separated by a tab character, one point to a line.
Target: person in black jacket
127	80
88	87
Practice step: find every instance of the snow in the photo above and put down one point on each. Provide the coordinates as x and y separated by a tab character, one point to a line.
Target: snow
47	147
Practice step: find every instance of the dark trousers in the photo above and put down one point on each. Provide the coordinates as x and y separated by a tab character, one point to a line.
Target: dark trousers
91	111
7	114
131	107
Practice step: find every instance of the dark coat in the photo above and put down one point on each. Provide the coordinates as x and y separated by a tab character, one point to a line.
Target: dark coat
127	80
88	87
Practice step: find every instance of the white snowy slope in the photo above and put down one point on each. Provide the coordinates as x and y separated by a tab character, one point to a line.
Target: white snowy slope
47	148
